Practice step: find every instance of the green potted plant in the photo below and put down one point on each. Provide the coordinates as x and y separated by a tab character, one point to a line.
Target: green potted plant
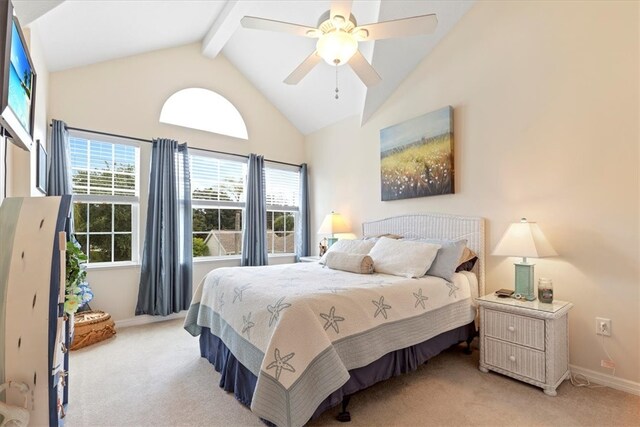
77	290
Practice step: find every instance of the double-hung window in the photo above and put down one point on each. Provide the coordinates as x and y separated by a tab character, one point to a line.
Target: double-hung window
283	200
217	191
218	200
106	192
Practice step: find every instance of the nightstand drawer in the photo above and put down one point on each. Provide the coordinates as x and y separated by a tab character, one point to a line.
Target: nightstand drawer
514	328
519	360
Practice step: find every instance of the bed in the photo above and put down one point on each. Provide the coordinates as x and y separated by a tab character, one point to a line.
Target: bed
291	341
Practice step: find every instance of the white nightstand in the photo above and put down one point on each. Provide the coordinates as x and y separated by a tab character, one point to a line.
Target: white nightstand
313	258
526	340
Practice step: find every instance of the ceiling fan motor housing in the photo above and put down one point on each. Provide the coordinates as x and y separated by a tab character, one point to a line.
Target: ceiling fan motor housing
325	24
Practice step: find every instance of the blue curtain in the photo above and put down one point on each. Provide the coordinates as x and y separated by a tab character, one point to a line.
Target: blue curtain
166	272
59	180
254	229
302	231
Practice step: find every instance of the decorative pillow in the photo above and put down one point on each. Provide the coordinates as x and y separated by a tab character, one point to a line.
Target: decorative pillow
447	259
361	247
354	263
407	258
377	237
467	260
467	265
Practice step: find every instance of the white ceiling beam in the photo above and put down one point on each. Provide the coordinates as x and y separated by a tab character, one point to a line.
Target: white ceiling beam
223	27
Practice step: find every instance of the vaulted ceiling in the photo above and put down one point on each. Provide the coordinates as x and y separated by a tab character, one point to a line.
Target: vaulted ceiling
81	32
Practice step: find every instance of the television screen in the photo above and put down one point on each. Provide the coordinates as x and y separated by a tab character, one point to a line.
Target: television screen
20	80
17	80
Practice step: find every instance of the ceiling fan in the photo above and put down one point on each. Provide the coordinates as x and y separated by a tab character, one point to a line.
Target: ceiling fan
338	35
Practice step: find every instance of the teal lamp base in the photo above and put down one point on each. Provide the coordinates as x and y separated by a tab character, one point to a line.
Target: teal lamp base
524	280
331	241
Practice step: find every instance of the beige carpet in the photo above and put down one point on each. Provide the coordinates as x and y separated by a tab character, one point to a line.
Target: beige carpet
153	375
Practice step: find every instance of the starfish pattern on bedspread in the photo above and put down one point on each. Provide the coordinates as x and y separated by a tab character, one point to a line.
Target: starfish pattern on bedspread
216	281
420	299
332	320
276	309
281	363
247	324
238	292
381	307
452	289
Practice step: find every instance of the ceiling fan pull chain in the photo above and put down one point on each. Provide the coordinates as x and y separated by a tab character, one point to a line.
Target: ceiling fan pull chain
336	62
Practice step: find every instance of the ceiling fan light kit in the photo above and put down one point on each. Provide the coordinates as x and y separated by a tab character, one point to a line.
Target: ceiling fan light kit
336	44
336	47
338	38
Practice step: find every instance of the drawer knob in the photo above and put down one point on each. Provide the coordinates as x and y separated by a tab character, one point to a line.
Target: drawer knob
511	328
512	358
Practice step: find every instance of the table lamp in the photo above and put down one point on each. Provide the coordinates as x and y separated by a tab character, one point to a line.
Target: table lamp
333	223
524	239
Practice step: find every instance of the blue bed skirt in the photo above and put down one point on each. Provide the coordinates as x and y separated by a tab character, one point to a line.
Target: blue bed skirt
237	379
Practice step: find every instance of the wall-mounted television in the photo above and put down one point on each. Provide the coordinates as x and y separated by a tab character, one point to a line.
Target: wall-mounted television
18	80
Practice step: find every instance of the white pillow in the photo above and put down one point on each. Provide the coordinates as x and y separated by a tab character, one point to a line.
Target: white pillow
360	247
405	258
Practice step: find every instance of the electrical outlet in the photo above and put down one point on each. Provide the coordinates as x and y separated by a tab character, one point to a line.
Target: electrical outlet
608	363
603	326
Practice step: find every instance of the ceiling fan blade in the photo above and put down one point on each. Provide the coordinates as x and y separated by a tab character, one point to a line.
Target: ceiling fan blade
341	7
405	27
364	70
303	69
283	27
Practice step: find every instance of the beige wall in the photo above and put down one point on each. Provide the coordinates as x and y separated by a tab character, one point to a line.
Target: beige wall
545	98
125	97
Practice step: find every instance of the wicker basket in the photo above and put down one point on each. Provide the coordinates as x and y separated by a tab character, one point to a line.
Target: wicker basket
92	327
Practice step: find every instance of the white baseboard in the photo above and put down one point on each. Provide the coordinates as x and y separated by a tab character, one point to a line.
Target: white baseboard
145	319
607	380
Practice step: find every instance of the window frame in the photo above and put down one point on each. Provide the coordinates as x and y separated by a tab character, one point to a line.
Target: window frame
133	200
216	204
293	210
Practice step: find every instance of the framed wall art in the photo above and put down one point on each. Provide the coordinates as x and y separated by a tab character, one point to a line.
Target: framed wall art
41	168
416	157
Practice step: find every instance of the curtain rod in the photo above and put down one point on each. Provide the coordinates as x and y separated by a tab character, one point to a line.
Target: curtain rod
194	148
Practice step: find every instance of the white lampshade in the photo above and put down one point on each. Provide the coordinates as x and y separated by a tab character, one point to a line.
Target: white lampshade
336	47
524	239
333	223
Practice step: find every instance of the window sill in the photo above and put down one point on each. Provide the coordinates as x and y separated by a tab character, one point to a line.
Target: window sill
110	265
200	259
235	258
282	255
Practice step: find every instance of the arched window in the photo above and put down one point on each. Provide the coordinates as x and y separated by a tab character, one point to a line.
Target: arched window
205	110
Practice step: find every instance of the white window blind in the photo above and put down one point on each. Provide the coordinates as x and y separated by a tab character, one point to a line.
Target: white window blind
103	168
217	180
282	188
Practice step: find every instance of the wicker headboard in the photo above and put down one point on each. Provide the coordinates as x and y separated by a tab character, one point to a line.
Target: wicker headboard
436	226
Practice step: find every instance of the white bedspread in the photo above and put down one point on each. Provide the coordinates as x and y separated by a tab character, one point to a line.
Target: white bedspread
299	328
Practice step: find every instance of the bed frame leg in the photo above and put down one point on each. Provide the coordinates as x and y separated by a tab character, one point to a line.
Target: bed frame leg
468	350
344	416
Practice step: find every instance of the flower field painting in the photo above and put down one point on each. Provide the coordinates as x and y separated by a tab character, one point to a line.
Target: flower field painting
416	157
